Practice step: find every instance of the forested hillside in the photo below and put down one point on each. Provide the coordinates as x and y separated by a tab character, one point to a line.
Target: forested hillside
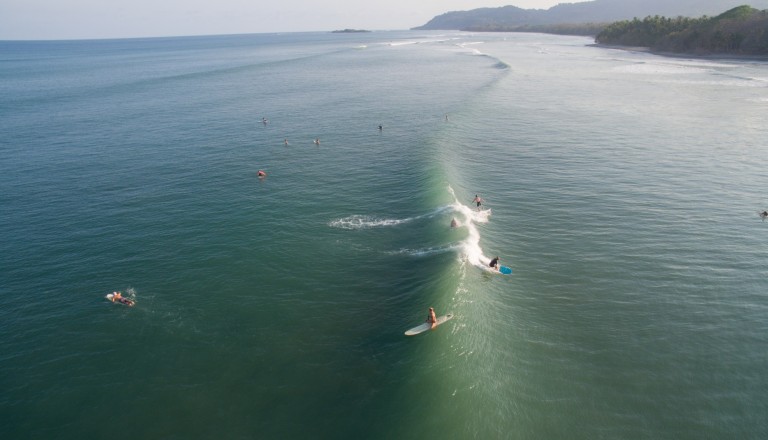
511	18
741	30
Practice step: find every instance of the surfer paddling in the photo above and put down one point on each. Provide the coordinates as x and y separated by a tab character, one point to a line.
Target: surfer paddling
432	319
261	174
763	215
478	200
117	297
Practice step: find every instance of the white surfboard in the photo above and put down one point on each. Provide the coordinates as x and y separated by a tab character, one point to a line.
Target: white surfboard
424	327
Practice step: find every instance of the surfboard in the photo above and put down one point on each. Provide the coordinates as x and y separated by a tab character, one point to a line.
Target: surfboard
505	270
124	301
424	327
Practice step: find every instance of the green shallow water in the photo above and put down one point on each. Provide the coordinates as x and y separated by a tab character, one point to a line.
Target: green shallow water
623	186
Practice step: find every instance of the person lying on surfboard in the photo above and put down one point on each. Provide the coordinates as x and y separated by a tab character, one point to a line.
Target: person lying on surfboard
431	318
495	263
116	296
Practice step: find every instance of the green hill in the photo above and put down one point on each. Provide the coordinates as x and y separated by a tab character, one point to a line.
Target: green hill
742	30
511	18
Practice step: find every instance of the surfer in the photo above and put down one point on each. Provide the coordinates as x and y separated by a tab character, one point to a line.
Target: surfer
317	141
261	174
478	200
494	263
381	127
454	223
763	215
432	319
116	296
286	142
264	121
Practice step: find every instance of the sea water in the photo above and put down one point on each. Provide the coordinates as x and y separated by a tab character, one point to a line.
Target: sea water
621	187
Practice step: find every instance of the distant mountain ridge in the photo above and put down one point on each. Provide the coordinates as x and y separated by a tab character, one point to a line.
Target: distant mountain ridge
596	11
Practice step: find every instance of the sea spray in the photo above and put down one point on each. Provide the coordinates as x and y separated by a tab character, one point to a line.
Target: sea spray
471	250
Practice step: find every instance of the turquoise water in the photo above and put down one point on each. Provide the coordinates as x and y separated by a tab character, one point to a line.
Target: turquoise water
623	189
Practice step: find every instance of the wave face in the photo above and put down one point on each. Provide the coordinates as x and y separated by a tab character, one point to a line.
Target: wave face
131	165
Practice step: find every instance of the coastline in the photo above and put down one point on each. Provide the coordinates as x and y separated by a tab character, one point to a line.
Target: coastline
714	56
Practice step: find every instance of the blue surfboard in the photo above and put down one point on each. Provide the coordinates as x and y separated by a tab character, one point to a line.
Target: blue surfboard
505	270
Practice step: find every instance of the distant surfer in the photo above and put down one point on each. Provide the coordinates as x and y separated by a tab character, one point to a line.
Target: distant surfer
285	142
494	264
454	223
381	127
264	121
432	319
261	174
317	141
116	297
763	215
478	200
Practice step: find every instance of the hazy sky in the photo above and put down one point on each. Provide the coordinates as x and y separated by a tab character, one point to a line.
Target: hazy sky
74	19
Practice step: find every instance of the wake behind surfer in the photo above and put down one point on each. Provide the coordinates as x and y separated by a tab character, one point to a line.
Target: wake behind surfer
432	319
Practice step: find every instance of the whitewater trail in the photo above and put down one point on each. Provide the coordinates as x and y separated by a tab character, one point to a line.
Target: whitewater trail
471	253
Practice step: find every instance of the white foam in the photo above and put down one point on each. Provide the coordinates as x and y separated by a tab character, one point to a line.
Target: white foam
472	253
428	251
368	221
658	69
365	222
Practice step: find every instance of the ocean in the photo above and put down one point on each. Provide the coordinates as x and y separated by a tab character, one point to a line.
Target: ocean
623	189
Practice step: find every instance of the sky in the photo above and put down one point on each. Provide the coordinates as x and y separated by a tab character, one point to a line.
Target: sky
86	19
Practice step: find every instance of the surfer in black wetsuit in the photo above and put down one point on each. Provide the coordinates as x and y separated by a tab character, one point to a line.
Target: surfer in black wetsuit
495	263
431	318
763	215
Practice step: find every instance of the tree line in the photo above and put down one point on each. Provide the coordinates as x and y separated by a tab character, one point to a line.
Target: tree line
742	30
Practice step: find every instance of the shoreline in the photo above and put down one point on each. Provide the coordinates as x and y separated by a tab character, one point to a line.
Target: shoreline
721	56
